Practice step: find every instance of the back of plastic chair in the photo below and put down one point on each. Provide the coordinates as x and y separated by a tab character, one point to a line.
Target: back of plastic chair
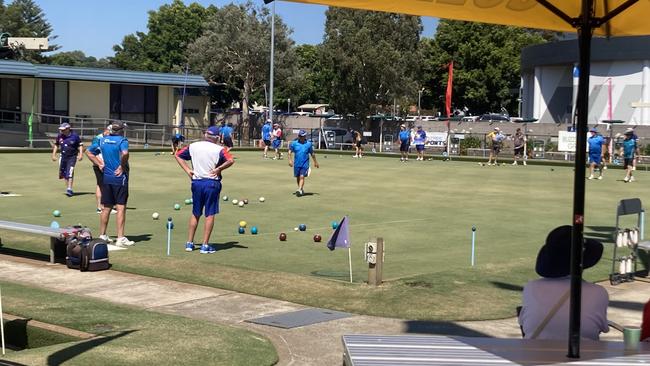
629	207
645	323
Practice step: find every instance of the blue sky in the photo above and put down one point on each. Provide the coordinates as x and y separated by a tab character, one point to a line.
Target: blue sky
94	26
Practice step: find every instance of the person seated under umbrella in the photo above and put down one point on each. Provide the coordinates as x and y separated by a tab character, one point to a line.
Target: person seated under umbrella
545	310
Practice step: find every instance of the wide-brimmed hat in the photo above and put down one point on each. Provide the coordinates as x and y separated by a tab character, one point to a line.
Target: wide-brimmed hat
554	258
629	131
64	126
497	129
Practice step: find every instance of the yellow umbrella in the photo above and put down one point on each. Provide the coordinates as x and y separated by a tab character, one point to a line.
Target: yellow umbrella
600	17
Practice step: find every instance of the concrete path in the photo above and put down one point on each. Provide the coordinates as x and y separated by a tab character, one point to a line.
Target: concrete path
318	344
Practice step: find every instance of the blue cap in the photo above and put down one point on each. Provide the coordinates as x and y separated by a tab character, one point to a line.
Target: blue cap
213	131
593	130
302	133
64	126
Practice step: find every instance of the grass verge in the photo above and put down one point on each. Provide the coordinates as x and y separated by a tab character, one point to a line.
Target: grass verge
129	336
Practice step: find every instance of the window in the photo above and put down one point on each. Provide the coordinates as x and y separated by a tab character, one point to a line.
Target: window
9	100
54	100
134	103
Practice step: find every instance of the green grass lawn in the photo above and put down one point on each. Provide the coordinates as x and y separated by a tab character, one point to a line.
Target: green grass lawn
423	210
129	336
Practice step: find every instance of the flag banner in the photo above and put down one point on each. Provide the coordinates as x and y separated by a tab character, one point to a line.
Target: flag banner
341	236
450	81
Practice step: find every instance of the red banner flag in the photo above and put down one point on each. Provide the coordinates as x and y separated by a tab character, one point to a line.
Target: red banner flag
449	85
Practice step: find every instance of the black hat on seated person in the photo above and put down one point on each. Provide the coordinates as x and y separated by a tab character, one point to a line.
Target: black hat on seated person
554	258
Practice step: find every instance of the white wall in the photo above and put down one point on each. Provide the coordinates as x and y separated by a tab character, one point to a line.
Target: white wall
630	82
89	98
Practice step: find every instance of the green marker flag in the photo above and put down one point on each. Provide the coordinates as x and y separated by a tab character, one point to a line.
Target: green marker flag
31	117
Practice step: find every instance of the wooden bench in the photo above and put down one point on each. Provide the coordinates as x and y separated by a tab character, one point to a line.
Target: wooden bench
57	237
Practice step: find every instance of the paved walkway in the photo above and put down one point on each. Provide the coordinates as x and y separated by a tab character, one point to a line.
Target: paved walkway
318	344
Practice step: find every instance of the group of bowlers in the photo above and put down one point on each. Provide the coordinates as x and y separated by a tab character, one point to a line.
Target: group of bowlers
629	151
109	153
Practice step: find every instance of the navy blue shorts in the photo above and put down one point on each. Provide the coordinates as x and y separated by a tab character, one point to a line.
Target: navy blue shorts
595	158
66	167
404	146
628	163
300	171
99	175
113	194
227	142
267	142
205	195
419	148
276	144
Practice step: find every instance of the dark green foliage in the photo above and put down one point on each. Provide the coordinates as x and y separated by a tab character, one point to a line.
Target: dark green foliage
469	142
234	51
163	48
486	65
24	18
372	59
78	58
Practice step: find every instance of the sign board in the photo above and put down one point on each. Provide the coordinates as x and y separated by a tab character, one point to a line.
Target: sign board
367	133
460	137
566	141
436	139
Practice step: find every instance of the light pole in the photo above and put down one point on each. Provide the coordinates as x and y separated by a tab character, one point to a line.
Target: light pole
288	105
419	100
272	61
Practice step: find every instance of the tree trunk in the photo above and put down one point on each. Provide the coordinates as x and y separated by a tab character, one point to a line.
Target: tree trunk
244	129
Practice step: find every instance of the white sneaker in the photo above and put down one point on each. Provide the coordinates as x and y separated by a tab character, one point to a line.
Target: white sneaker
591	177
106	238
524	163
600	177
626	179
124	242
514	163
113	211
631	179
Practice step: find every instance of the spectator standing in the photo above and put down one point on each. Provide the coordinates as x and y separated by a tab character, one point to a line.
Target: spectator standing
276	135
404	143
71	149
209	159
519	143
356	140
496	140
630	152
226	135
266	136
114	163
596	153
419	140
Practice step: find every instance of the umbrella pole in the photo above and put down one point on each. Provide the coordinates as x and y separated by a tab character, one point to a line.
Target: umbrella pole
584	41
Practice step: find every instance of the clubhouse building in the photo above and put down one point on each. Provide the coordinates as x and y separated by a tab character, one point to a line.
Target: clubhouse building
94	94
619	84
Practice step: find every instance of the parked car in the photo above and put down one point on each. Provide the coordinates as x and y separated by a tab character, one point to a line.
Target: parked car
493	117
332	138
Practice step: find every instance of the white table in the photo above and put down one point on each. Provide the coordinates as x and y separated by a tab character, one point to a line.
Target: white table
420	350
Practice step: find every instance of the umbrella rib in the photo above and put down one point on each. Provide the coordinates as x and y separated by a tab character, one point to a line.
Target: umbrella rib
555	10
621	8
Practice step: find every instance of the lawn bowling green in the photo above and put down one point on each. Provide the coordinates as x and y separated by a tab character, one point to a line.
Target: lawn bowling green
423	210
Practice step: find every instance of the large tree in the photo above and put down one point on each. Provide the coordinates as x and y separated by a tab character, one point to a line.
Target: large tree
163	48
235	51
374	59
24	18
486	65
